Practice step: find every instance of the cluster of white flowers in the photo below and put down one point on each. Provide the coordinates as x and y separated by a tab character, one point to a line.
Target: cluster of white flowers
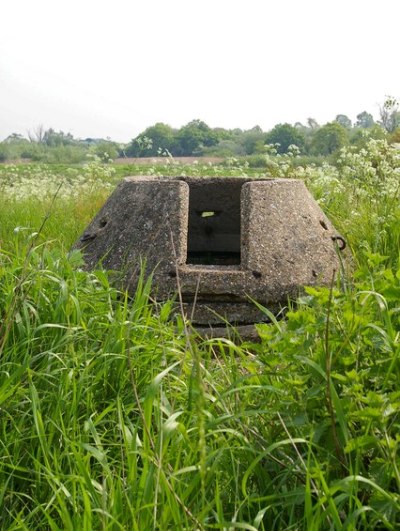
374	169
41	182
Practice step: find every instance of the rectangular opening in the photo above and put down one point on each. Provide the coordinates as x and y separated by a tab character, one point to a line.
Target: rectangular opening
214	223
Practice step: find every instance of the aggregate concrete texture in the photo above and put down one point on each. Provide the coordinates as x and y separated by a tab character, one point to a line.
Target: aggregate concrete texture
220	242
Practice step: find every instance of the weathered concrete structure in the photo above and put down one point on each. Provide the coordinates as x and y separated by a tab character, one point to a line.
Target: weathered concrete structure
220	242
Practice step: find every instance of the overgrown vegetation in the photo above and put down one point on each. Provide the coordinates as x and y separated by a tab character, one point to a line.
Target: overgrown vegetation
115	415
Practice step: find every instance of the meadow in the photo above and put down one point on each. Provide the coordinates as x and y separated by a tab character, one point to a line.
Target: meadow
115	414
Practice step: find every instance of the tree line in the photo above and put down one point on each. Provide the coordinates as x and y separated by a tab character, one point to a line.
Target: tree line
198	139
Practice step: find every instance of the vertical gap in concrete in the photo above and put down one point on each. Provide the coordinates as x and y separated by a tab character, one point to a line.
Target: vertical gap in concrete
214	223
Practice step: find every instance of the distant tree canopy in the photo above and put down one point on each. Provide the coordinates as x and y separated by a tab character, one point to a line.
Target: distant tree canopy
364	120
286	135
154	140
251	141
161	139
50	146
389	114
52	138
343	120
196	138
329	138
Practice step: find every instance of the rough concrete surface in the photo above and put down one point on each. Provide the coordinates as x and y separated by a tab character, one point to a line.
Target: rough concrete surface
218	242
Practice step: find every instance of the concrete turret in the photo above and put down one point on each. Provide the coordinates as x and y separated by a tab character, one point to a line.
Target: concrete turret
220	242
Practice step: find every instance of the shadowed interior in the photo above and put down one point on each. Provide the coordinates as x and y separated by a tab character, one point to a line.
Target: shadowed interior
214	223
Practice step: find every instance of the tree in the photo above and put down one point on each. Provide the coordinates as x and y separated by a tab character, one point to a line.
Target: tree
389	114
4	153
361	136
193	137
252	140
106	150
223	134
329	138
343	120
15	146
37	134
364	120
312	124
53	138
395	136
15	138
285	135
155	140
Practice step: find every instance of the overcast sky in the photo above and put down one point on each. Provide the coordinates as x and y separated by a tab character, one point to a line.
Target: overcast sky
112	68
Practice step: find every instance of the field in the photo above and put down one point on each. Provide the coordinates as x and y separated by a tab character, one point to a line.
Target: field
115	415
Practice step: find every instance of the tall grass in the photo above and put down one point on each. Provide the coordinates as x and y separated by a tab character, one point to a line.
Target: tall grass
114	414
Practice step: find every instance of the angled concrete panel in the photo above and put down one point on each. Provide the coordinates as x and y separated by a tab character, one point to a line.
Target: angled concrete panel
144	220
286	236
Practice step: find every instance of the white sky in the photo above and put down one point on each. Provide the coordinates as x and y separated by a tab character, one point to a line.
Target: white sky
99	68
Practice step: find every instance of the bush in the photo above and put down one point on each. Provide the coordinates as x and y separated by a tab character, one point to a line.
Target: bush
225	148
3	153
59	154
256	161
